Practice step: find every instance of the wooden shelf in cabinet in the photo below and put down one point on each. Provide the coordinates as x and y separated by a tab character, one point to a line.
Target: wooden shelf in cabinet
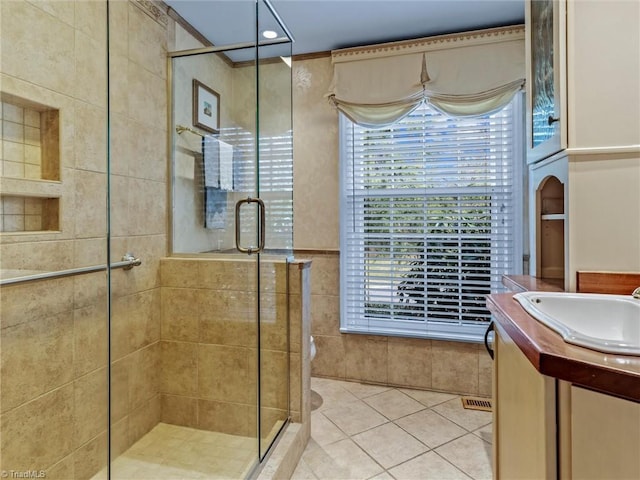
552	216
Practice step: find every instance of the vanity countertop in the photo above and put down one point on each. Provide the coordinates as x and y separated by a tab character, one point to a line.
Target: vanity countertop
617	375
527	283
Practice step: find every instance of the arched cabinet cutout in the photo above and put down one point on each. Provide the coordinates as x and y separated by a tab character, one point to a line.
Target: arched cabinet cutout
550	228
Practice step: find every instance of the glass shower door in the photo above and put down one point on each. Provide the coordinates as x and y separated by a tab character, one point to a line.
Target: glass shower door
275	189
231	230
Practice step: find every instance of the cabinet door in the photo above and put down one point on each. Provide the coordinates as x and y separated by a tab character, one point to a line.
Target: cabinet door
545	50
605	433
524	416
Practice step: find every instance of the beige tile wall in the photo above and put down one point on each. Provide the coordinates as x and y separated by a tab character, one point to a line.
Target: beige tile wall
209	343
54	337
404	362
20	132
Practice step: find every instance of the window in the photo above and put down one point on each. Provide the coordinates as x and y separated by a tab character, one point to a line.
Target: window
430	221
275	177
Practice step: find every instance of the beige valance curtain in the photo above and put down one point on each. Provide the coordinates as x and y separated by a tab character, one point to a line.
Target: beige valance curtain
467	74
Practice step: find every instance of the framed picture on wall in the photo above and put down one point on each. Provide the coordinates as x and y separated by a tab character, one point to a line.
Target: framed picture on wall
206	108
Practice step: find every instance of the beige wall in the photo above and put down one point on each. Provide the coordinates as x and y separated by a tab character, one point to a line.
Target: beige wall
315	149
427	364
187	195
54	333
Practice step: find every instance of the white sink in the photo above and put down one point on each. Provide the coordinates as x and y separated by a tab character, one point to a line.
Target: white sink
607	323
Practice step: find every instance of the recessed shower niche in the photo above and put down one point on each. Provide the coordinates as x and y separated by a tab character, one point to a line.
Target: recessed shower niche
30	166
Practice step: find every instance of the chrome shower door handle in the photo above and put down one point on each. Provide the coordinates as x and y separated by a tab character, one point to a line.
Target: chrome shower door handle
261	226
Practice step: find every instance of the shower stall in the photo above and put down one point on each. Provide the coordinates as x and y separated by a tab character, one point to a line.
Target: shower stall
151	310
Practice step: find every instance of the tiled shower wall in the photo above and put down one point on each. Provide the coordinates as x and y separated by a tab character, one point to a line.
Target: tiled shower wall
20	141
208	343
53	333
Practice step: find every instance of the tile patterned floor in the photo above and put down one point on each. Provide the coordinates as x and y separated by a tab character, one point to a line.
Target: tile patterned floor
372	432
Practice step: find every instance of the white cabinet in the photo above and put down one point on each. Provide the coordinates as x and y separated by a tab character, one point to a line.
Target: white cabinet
605	436
583	76
583	98
548	428
524	430
545	47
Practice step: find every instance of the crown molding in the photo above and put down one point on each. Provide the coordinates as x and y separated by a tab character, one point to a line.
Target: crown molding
155	10
439	42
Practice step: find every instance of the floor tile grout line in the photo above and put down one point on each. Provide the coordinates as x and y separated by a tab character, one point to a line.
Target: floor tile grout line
394	419
428	448
467	431
458	438
454	465
414	413
371	395
411	434
457	466
348	436
365	430
453	421
408	460
359	447
367	454
424	453
435	450
461	426
454	395
334	424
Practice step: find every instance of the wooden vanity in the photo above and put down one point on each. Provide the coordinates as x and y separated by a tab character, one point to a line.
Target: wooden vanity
560	411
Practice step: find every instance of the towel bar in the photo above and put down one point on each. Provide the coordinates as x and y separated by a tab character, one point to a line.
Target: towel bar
128	262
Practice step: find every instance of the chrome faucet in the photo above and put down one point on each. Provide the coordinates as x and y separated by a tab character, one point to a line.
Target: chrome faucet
636	293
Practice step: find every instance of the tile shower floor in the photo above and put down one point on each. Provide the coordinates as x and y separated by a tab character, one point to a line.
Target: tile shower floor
372	432
170	452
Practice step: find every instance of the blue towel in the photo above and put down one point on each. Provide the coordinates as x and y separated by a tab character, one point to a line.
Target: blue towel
215	211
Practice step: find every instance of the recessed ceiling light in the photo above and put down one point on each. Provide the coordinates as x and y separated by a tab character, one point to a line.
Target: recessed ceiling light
269	34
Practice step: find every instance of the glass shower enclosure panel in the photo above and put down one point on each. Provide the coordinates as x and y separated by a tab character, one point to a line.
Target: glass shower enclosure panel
232	210
214	135
275	189
54	262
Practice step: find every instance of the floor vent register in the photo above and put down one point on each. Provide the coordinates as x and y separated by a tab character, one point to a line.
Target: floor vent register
477	403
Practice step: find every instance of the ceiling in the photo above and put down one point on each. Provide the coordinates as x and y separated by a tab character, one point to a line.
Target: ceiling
324	25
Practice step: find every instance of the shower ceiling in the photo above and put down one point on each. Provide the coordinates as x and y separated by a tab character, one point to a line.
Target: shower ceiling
324	25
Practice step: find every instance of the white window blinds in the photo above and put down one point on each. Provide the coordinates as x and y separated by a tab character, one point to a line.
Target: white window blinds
273	178
430	221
